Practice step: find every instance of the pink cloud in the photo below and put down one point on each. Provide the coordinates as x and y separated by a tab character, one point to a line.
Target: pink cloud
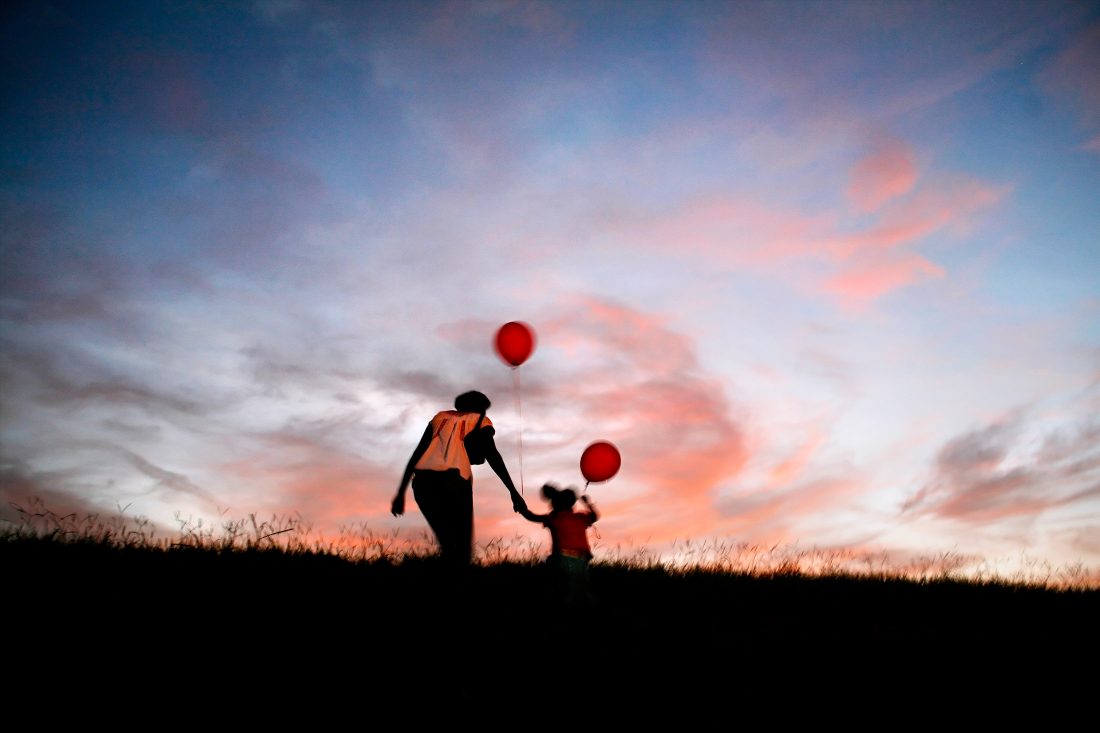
942	202
737	230
631	379
878	260
854	265
886	173
873	277
326	486
671	423
793	466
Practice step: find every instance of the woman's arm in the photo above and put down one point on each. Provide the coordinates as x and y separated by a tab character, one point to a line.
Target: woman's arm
397	508
496	462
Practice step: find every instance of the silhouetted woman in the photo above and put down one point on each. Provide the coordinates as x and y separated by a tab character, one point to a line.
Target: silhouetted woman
442	479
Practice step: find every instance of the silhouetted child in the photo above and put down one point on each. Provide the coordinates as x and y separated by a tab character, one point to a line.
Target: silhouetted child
570	552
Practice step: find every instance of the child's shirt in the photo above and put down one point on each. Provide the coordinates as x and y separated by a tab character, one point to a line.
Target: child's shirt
569	533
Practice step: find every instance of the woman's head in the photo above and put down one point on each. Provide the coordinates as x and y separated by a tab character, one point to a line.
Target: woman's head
472	401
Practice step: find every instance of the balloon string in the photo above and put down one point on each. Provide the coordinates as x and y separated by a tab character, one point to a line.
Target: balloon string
594	528
519	409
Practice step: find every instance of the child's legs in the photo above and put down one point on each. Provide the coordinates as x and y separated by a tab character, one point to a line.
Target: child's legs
571	580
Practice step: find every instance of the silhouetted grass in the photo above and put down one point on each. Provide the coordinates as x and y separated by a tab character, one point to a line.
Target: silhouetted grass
108	601
293	535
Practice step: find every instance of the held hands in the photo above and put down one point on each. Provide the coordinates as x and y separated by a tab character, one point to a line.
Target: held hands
518	504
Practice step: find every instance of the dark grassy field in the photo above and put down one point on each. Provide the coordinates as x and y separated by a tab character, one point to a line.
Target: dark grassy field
259	629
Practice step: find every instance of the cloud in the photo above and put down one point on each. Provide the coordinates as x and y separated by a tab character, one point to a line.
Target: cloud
274	11
161	87
792	467
73	376
24	488
167	481
990	474
602	370
872	277
878	260
884	174
778	515
854	263
907	58
638	383
299	473
55	268
72	500
942	201
733	230
1072	76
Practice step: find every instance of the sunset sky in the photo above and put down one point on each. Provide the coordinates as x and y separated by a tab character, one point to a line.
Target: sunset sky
826	273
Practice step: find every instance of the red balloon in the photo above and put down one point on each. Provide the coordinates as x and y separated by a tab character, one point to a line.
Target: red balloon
600	461
515	341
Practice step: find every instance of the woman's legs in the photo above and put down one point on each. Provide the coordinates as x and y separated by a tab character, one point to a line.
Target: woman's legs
446	500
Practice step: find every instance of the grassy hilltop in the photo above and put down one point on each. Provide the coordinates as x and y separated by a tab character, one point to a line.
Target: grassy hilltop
245	618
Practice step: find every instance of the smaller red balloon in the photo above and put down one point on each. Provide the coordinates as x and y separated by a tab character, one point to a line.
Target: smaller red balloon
600	461
514	342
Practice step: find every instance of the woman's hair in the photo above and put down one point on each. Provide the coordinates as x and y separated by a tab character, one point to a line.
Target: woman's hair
472	401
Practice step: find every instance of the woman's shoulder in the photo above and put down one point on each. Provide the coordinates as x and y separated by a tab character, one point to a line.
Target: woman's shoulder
444	416
471	418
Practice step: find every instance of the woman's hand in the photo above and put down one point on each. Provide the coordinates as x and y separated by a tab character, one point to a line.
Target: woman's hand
397	508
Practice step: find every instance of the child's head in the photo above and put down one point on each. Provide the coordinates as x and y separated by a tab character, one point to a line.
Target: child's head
560	499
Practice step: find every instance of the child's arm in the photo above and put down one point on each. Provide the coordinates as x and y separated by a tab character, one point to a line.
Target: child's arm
593	515
528	514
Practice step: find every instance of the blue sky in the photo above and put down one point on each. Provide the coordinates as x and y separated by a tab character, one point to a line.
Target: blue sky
827	273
